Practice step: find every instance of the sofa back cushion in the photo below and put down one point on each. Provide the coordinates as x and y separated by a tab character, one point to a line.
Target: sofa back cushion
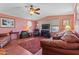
77	34
71	38
32	45
58	43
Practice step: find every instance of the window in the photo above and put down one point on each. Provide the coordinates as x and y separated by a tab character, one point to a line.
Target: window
77	25
55	28
55	25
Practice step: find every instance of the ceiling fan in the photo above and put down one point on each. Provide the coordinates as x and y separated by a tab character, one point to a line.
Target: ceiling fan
33	10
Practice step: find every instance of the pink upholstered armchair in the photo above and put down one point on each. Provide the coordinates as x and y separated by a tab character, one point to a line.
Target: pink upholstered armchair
32	45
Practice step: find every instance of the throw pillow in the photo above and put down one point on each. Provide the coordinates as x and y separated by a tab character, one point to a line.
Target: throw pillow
71	38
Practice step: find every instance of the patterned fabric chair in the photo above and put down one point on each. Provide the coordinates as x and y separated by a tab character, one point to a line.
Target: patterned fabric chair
4	39
24	34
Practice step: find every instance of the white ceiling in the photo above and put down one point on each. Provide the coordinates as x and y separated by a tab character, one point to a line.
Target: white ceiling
46	9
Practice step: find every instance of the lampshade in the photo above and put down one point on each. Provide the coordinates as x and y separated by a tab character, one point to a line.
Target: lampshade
26	28
29	23
67	27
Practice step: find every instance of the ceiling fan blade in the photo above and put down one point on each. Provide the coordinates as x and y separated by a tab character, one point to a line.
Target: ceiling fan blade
37	13
31	7
37	9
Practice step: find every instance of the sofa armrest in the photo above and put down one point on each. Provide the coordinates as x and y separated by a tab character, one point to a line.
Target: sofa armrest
4	40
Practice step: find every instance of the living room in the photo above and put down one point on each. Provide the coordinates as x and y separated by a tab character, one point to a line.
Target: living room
39	29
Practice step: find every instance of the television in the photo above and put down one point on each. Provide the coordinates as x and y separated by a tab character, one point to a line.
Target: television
45	26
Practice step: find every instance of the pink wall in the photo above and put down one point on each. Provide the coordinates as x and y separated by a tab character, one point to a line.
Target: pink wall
61	18
19	23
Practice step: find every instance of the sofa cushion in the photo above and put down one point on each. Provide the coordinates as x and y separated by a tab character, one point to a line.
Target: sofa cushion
72	46
71	38
4	40
64	45
47	42
32	45
58	43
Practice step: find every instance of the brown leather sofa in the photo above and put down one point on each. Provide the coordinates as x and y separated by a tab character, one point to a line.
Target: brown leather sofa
67	45
49	48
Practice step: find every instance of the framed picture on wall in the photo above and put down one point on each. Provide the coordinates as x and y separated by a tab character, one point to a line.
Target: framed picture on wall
6	22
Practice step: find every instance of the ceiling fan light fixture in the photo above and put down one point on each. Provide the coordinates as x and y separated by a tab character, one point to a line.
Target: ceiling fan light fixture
32	12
